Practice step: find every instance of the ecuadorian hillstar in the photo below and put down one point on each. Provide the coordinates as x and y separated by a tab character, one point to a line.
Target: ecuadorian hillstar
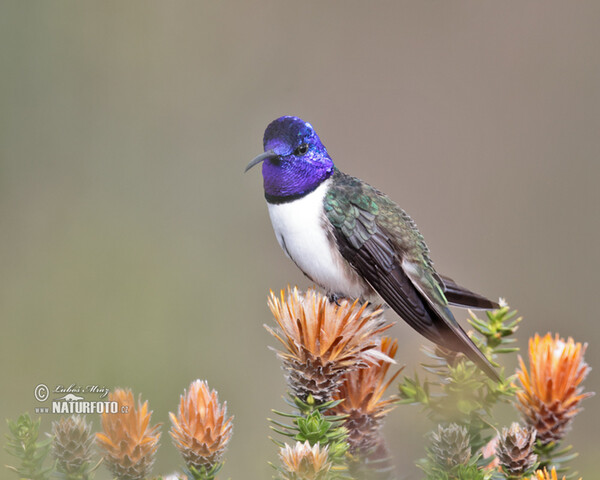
354	241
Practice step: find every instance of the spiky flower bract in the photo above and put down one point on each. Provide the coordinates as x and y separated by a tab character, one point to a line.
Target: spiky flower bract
304	462
450	445
515	450
72	442
552	388
128	442
201	429
449	456
362	403
323	340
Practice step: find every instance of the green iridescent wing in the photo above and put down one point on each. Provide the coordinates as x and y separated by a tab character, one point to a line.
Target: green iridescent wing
383	245
377	237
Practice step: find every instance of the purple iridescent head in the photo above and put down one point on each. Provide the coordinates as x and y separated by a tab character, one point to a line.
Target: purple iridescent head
295	161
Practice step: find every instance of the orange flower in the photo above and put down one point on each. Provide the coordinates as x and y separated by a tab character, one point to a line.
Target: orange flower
303	462
201	430
128	443
544	475
362	391
323	340
551	390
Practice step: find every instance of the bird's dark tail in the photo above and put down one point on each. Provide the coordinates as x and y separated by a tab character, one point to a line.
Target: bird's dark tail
456	339
463	297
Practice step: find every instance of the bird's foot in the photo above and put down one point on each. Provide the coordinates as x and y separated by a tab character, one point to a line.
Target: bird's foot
335	298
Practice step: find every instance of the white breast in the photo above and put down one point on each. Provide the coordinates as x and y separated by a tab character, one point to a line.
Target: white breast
301	229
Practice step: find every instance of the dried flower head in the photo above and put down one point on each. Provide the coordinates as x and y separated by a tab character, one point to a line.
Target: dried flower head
128	443
361	393
72	443
545	475
551	390
450	446
323	340
201	430
303	462
515	450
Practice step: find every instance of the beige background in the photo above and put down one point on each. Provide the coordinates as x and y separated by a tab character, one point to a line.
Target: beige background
134	252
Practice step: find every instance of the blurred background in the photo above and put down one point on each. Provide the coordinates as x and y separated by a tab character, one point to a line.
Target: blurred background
134	251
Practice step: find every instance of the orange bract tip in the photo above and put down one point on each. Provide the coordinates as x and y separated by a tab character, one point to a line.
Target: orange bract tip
201	429
551	389
322	340
128	443
545	475
303	462
362	393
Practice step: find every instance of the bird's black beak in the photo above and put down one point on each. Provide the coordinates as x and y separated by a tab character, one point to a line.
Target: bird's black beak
260	158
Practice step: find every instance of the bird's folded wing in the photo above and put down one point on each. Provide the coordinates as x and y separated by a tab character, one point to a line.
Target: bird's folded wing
368	249
353	215
378	264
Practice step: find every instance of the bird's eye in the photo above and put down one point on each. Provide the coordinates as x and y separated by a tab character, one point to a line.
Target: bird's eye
301	150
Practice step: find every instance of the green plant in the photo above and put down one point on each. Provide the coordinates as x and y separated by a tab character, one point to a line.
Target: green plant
23	444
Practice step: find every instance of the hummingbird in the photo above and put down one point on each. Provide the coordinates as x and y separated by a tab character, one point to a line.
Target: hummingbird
354	241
